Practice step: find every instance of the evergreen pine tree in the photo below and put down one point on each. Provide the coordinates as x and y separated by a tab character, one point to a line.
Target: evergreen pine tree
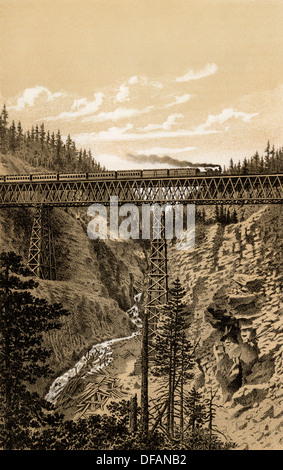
228	219
256	162
261	165
36	134
224	215
80	160
12	137
210	415
47	138
23	319
173	357
59	145
69	151
4	117
267	156
221	215
32	133
216	214
52	140
277	161
196	409
231	166
42	134
245	166
234	217
272	165
239	168
28	138
3	129
20	134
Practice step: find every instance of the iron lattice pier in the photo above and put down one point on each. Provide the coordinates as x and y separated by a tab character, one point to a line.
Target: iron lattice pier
157	288
41	260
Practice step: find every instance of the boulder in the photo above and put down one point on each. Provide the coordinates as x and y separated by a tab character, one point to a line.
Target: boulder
265	411
253	283
238	410
237	300
278	410
241	425
243	446
248	394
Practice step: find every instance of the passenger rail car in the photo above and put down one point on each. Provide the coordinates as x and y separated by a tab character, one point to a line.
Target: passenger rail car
110	175
128	174
16	178
155	173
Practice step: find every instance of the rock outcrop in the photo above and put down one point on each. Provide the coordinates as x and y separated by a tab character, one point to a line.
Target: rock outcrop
233	278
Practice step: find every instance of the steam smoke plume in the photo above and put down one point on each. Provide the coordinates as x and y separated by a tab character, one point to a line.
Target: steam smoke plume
167	160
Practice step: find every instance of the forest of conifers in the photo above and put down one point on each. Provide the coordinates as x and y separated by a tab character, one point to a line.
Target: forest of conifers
41	148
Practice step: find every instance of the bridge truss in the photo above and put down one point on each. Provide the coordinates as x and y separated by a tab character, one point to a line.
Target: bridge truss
203	190
75	192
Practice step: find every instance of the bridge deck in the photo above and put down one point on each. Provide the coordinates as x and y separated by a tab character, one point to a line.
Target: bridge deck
220	189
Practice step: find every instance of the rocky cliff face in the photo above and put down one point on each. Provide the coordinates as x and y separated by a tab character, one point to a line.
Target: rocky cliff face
233	278
96	280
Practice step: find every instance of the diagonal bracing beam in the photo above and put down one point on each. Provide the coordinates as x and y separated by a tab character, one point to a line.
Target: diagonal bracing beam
204	190
41	259
156	298
157	289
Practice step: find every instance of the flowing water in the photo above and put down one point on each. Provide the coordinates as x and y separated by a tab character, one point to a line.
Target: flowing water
99	356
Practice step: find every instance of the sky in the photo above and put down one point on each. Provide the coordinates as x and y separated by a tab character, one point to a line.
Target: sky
196	80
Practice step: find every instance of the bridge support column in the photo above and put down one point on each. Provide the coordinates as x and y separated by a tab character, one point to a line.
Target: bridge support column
157	288
156	298
41	260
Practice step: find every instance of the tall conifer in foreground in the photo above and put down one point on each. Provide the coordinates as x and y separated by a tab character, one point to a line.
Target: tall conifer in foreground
173	359
23	360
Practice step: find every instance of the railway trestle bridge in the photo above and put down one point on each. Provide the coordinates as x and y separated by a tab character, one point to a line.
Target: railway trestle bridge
45	194
77	191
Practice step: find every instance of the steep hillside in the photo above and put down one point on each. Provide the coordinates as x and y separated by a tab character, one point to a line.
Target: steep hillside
14	165
96	281
233	278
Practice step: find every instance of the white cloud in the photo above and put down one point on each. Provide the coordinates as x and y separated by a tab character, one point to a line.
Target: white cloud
115	134
145	82
170	121
77	104
80	108
179	100
155	84
133	80
225	115
119	113
123	94
209	69
124	91
31	94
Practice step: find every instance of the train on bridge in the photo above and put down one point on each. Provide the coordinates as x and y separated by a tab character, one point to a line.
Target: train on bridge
112	175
